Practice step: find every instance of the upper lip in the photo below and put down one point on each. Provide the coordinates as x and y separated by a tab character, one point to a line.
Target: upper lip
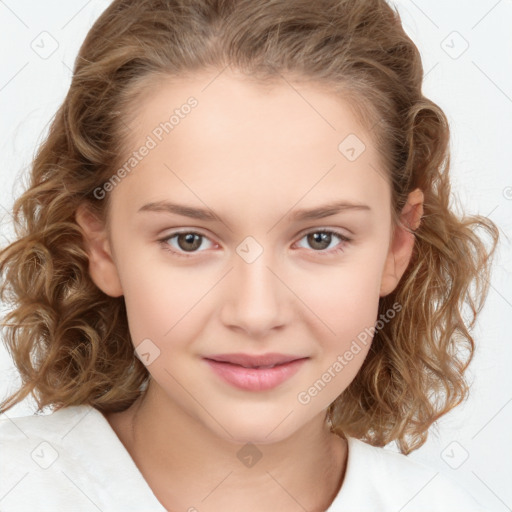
254	361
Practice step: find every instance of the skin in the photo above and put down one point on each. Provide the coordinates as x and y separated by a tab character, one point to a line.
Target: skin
253	156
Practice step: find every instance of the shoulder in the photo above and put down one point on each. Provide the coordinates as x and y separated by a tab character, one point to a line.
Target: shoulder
41	437
32	448
393	481
50	423
22	435
69	459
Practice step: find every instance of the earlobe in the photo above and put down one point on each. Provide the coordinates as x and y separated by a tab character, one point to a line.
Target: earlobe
402	244
102	268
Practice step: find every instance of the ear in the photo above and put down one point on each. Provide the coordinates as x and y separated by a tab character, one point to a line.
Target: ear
402	243
102	268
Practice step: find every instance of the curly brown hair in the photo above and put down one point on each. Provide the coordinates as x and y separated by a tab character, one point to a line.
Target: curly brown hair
70	341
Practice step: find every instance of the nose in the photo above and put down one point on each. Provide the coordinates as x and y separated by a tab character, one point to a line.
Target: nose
256	299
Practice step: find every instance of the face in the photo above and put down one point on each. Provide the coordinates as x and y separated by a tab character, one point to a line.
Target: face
240	267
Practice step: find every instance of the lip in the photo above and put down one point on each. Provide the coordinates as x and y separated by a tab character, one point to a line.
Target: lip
244	371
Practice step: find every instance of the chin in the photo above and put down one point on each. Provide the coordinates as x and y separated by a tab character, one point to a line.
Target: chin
243	428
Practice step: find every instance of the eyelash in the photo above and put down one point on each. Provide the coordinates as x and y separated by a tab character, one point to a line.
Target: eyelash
345	239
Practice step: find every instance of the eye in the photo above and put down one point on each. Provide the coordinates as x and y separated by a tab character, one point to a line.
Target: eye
321	239
191	241
187	241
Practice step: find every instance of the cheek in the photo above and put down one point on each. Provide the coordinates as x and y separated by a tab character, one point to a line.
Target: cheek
163	320
164	297
160	299
345	306
343	298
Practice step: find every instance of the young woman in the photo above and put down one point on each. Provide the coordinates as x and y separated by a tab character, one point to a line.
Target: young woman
237	275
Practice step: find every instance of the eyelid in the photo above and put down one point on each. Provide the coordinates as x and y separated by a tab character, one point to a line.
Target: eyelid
313	229
339	248
345	239
336	231
177	231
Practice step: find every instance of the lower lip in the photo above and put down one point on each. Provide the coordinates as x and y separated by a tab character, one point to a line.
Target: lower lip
254	379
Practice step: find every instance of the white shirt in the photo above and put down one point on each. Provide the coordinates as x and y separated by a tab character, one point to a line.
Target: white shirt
71	460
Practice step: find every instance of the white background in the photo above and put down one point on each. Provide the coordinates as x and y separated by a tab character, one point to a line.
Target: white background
472	444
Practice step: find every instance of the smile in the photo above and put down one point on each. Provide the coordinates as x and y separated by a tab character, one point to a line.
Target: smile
255	378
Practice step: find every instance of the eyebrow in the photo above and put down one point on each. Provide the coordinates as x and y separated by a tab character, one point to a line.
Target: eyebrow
319	212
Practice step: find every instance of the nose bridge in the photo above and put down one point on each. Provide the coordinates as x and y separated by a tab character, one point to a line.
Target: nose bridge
256	299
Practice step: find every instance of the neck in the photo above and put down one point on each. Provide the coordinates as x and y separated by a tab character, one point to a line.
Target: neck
189	468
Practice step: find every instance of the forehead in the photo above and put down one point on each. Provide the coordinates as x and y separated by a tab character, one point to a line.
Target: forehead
249	144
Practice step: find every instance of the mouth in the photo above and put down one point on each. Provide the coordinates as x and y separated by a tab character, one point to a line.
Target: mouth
255	361
255	373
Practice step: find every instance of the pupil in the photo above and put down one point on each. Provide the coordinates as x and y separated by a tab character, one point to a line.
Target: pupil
320	238
189	239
